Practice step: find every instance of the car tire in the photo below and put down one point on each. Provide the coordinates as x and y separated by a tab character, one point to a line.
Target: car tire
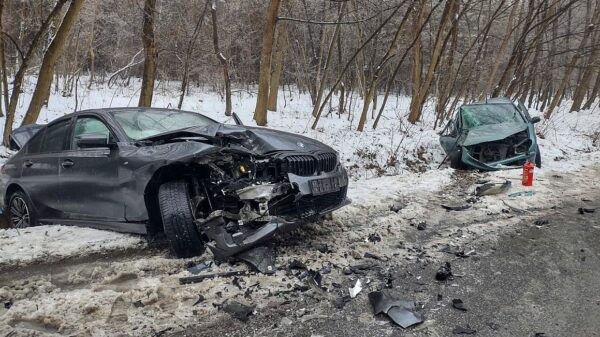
456	162
538	157
20	213
178	220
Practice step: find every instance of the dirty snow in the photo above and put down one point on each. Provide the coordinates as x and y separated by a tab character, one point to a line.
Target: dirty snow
51	243
396	185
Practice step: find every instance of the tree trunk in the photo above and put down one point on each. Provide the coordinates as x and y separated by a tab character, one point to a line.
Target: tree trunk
323	81
2	65
91	53
150	54
417	102
558	96
594	94
42	87
371	95
222	59
278	66
19	76
260	112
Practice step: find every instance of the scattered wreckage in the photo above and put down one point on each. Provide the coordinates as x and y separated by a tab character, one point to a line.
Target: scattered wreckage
491	135
147	170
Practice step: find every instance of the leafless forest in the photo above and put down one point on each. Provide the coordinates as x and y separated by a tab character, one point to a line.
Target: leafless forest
436	52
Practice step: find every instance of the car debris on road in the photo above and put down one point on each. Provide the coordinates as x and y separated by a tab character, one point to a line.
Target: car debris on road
403	313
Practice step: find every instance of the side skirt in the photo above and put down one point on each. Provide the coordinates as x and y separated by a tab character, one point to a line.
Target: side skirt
122	227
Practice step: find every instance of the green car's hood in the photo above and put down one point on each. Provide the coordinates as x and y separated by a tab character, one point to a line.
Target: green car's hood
490	133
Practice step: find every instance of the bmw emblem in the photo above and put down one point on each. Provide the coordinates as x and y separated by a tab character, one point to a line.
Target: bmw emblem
300	145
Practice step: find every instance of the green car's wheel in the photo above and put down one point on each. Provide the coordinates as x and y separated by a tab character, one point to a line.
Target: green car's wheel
455	160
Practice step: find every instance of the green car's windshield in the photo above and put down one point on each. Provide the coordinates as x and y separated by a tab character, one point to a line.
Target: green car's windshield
139	124
487	114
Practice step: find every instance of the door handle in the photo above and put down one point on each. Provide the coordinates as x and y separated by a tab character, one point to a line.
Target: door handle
67	163
28	163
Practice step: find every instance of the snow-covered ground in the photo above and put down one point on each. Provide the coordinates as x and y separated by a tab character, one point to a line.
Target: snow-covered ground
97	298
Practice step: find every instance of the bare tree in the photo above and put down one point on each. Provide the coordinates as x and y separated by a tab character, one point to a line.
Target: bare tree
222	59
150	54
44	81
260	113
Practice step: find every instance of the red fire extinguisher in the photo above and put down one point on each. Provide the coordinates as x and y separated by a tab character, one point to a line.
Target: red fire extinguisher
527	179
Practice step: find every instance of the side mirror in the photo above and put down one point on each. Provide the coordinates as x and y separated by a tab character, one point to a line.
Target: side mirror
93	140
535	119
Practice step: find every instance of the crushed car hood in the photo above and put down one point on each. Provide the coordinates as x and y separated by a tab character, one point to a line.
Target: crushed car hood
490	133
257	140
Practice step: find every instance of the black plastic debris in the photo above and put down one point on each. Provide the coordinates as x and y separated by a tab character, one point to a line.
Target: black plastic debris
374	237
239	310
422	226
459	330
440	297
236	282
325	270
463	254
403	313
583	210
539	334
199	300
200	278
493	188
449	208
196	269
295	264
457	303
322	248
347	270
138	304
8	304
444	272
261	258
541	222
373	256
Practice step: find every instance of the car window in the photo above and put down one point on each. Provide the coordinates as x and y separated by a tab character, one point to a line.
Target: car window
139	124
85	125
33	145
487	114
54	137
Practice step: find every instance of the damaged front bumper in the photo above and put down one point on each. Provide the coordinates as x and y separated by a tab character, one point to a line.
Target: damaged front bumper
282	207
504	164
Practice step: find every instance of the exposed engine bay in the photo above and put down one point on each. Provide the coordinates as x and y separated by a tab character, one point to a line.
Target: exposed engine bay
509	147
242	199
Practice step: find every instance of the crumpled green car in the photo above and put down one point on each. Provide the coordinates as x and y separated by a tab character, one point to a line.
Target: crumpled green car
492	135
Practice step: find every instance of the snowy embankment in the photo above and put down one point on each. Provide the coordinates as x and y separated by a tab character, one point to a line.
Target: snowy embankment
395	159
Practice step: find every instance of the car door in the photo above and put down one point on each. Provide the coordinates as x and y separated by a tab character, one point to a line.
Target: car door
449	136
89	181
39	174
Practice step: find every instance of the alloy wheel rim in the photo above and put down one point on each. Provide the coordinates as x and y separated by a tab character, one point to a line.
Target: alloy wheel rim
19	213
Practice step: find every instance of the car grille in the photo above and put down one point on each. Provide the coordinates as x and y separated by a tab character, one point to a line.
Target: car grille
307	165
307	205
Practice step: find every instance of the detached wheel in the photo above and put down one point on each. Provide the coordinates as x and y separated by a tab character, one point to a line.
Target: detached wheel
178	220
20	211
538	157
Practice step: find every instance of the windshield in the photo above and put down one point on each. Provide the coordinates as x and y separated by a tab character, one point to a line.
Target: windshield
139	124
487	114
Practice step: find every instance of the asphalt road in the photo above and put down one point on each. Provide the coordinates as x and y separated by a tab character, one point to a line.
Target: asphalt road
542	280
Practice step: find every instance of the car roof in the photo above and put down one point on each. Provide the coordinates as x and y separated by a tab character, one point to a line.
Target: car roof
495	100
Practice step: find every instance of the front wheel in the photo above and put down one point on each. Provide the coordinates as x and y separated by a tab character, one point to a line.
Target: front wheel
20	211
178	220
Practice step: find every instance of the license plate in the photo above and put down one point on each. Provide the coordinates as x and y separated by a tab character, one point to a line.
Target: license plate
325	185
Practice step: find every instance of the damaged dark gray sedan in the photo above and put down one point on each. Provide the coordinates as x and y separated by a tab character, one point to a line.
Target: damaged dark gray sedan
146	171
